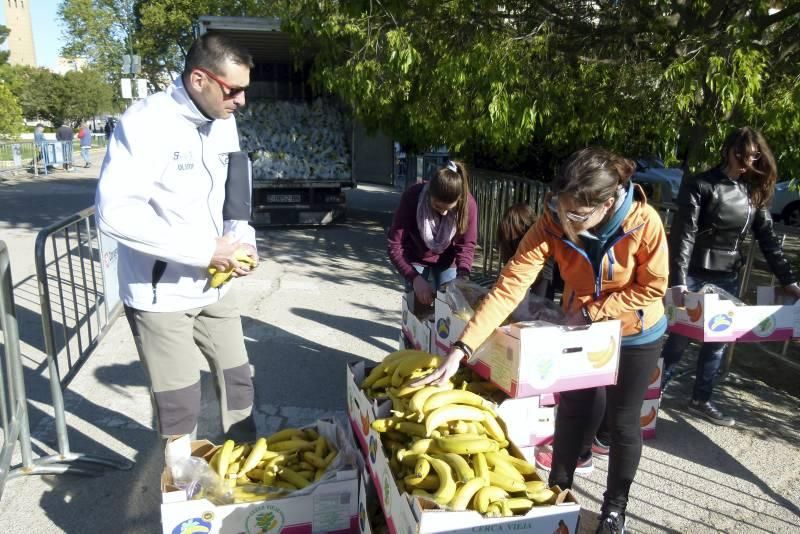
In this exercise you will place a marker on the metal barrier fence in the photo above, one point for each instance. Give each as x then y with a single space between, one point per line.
27 156
71 279
496 192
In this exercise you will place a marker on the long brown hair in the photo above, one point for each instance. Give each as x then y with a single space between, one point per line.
450 186
762 174
590 177
515 223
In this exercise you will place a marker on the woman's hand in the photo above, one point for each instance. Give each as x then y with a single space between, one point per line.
441 375
792 290
423 290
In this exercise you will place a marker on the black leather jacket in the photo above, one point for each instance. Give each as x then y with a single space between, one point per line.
714 216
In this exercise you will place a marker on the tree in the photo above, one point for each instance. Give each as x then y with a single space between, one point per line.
532 81
11 123
4 32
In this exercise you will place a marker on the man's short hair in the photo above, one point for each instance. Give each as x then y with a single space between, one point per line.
212 50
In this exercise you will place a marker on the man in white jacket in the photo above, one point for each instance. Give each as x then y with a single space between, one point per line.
161 195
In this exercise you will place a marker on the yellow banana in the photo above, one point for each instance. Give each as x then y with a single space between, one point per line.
411 363
285 435
293 477
466 444
544 496
314 459
520 505
524 467
418 399
329 458
535 486
461 469
457 396
493 428
422 467
225 457
465 493
507 483
285 485
382 382
447 486
321 447
487 495
481 466
445 414
503 466
430 482
255 455
407 391
292 445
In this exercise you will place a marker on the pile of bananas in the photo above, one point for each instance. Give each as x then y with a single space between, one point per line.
446 445
286 461
220 277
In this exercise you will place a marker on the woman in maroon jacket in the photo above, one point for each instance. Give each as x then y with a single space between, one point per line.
434 231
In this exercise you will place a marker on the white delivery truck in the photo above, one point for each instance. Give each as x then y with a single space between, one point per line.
305 149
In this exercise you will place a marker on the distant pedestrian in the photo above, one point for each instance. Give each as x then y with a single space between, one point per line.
109 128
38 142
85 135
65 134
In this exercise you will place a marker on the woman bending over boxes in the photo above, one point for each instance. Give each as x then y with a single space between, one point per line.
610 247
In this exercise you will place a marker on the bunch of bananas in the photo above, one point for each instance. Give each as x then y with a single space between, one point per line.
445 443
288 460
220 277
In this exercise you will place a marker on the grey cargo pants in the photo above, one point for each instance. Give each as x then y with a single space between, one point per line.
166 344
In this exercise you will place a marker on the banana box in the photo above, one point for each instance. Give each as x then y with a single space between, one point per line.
654 388
649 415
534 357
404 513
447 327
332 506
709 317
527 422
417 330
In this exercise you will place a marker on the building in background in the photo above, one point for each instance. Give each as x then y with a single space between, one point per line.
64 65
20 39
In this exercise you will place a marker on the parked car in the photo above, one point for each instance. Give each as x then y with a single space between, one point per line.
786 204
660 183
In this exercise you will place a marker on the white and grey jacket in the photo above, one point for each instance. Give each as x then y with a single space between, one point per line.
160 195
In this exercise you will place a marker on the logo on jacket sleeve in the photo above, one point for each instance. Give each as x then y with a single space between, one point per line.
184 161
223 157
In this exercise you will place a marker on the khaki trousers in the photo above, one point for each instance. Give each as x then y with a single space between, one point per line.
168 344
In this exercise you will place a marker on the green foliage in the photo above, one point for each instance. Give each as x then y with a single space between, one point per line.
11 122
4 32
528 82
45 95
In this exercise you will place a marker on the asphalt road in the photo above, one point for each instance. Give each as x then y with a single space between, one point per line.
322 297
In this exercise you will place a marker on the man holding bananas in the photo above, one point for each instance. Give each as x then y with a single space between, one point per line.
161 194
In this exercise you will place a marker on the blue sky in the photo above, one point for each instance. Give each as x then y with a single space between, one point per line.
47 33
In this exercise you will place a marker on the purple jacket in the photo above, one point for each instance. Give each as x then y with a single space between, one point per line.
406 245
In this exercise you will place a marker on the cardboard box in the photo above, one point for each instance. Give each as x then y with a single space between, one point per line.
447 328
654 389
333 506
407 514
709 317
527 423
416 330
649 416
533 358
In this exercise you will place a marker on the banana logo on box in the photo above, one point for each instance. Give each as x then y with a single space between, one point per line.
194 525
264 519
720 323
443 327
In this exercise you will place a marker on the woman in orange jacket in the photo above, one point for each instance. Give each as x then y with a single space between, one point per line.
610 247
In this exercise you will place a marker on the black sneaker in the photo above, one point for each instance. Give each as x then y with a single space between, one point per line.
710 412
611 523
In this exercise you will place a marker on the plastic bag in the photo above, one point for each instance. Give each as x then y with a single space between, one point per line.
463 297
536 308
192 474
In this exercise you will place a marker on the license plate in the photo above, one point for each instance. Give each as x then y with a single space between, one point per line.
283 198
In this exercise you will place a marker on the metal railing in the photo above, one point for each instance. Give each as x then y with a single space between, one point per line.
71 279
494 194
26 156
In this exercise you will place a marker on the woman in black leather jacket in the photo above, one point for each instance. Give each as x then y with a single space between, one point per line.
716 210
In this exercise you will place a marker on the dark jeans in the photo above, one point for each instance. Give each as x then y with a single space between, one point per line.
578 418
711 355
